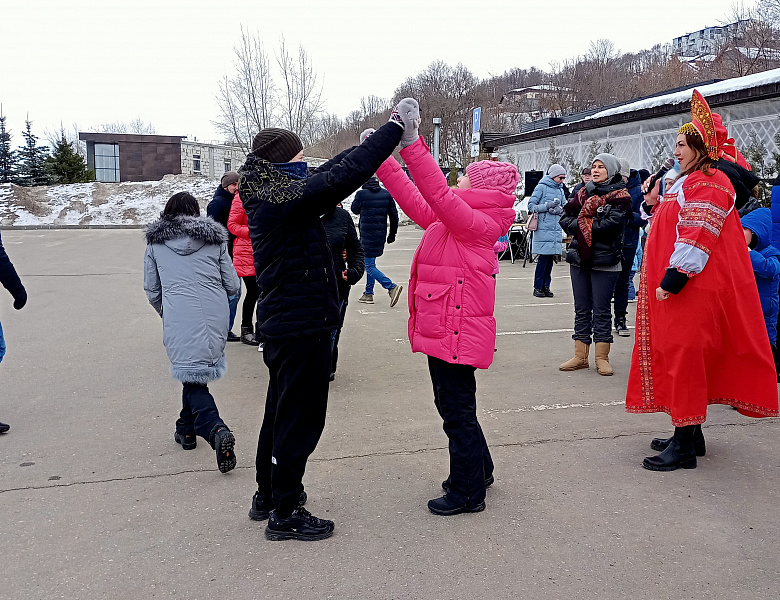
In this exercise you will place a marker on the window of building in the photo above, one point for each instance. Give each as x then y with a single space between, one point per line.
227 165
107 162
196 163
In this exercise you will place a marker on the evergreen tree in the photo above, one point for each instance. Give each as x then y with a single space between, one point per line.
66 166
6 154
31 167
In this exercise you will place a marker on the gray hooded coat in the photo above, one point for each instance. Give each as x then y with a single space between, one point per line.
188 276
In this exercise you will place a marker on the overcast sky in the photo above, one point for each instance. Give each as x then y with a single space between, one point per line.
90 62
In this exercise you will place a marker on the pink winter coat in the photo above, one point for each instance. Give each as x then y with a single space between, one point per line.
452 292
243 257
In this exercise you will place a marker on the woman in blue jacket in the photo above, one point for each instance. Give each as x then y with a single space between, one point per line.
547 200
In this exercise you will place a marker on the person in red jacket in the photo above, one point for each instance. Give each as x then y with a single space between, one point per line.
452 298
244 262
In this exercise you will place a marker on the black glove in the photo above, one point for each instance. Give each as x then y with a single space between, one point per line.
390 239
20 299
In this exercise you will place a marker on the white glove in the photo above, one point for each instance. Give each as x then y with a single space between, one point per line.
407 115
365 133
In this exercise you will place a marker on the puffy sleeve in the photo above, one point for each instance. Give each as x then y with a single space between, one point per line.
704 205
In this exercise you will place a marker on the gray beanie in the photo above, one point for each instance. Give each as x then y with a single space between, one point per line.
610 162
229 178
276 145
555 170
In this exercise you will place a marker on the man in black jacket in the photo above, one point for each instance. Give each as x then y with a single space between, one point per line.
219 210
349 262
10 280
298 305
374 204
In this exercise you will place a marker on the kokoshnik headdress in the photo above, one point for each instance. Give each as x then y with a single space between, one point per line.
709 127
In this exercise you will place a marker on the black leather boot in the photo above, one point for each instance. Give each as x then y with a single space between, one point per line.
679 454
660 444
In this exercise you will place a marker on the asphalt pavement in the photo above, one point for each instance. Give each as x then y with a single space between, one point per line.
97 501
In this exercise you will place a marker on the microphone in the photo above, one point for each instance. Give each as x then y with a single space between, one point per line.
663 171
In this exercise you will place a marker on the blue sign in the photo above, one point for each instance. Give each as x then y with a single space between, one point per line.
476 118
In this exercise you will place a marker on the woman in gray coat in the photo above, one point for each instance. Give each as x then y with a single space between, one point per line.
547 199
188 276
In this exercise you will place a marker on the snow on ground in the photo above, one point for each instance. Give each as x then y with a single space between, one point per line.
126 203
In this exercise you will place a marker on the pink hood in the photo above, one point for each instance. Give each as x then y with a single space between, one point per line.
451 288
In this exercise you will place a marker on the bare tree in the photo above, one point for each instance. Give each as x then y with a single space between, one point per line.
750 44
247 99
301 102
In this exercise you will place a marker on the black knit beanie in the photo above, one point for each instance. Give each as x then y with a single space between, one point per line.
276 145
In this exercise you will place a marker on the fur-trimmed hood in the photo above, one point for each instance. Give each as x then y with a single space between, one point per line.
185 234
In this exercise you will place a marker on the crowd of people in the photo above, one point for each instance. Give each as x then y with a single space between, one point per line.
298 252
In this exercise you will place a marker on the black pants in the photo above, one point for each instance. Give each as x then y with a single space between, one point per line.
335 353
592 296
621 285
250 301
294 417
199 412
455 397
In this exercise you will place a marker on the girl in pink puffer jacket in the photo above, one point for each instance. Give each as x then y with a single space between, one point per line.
452 297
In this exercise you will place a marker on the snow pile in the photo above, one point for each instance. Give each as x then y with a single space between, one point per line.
107 204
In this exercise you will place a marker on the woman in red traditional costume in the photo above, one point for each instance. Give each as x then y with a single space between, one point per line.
700 337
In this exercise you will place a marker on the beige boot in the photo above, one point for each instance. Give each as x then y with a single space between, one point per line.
580 360
602 358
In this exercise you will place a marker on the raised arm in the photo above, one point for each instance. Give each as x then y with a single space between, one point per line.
405 193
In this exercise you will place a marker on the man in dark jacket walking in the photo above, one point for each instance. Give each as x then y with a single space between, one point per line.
374 204
297 309
10 280
219 210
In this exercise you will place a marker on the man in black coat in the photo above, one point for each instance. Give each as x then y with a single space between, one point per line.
374 204
349 262
10 280
298 308
219 210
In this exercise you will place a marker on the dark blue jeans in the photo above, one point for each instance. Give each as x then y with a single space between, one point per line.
543 273
455 397
621 286
592 295
199 412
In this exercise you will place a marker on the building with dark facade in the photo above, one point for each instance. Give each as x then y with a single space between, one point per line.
132 157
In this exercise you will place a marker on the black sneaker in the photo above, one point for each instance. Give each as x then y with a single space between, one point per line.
539 293
445 507
262 507
548 293
445 485
224 443
301 525
4 427
232 337
187 441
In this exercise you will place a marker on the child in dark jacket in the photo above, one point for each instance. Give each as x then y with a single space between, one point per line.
765 259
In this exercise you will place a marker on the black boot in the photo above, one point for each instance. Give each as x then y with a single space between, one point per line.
248 337
679 454
548 293
539 293
660 444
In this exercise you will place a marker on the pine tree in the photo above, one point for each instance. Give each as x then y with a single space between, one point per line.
66 166
6 154
31 167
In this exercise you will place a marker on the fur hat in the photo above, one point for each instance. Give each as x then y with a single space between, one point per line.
276 145
493 175
610 162
555 170
229 178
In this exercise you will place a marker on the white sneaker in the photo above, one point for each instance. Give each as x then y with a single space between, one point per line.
260 347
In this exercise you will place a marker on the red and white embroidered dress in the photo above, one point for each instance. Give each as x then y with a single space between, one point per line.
707 344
